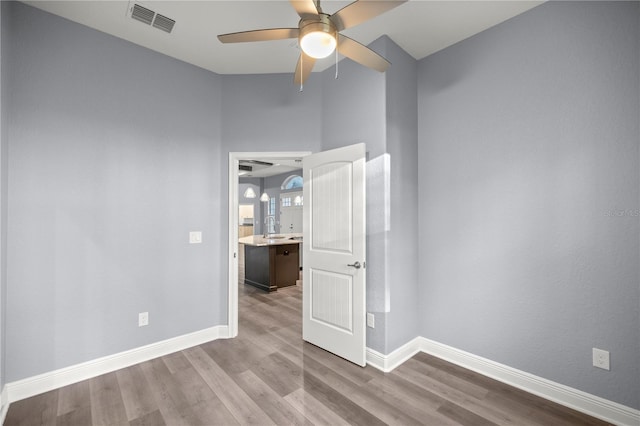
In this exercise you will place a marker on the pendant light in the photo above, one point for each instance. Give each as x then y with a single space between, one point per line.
249 193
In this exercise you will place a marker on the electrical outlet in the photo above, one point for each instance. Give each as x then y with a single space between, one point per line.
143 319
601 359
371 320
195 237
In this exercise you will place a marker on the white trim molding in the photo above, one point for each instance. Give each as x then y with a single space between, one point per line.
573 398
387 363
25 388
4 404
564 395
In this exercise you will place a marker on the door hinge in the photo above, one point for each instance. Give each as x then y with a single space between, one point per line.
235 255
364 265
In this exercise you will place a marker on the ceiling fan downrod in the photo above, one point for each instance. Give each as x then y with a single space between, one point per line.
337 42
301 77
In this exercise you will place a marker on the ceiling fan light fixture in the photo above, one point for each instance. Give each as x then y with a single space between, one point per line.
318 38
318 44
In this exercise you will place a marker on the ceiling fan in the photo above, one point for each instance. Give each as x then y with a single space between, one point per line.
319 35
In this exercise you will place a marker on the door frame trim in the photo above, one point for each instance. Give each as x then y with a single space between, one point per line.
234 162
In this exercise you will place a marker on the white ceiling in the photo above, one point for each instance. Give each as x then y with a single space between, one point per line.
280 166
420 27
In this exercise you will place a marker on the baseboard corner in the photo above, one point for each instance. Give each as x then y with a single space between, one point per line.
376 359
387 363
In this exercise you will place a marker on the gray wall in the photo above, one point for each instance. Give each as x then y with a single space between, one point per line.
265 113
402 145
4 32
114 158
353 106
529 159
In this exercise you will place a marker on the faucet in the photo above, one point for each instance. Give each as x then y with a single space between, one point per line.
266 225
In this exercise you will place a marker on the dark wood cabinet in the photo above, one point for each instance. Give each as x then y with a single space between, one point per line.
273 266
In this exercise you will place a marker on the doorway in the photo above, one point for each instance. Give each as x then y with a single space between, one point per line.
334 222
234 221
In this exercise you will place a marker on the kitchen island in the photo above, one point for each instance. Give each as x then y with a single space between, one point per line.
273 261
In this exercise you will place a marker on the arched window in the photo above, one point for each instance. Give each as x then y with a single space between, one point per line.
292 182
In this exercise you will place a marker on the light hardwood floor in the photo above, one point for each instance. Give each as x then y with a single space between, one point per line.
268 375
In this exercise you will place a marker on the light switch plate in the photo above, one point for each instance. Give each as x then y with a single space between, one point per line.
195 237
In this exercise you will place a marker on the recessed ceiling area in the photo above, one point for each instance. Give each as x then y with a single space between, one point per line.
420 27
265 167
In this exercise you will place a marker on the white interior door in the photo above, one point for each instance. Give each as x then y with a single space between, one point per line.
334 252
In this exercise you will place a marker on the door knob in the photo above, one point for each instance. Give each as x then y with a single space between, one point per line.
355 265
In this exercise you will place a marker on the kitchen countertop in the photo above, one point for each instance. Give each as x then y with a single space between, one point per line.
271 240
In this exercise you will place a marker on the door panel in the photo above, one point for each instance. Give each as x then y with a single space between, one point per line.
331 301
334 241
331 207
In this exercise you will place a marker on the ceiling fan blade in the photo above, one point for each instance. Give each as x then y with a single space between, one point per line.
361 54
305 8
304 67
361 11
259 35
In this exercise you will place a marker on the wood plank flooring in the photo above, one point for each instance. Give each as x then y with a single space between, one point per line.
268 375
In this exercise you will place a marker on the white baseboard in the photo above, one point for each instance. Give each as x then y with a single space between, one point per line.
573 398
564 395
36 385
4 404
387 363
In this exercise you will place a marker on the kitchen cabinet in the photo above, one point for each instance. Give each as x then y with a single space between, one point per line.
245 230
269 267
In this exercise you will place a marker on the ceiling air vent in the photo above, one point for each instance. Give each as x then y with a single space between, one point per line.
163 23
149 17
258 162
142 14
